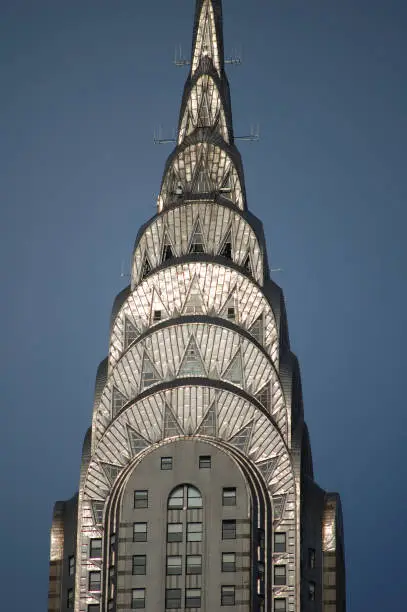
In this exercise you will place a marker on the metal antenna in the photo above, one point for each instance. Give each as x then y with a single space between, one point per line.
254 135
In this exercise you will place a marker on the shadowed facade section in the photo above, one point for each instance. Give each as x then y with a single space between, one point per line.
196 487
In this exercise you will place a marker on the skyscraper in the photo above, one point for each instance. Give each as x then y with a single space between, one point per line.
196 488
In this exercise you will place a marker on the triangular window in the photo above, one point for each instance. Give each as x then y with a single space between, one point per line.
110 471
149 375
204 114
192 364
278 506
226 248
256 329
226 185
197 244
229 309
118 401
264 397
242 438
146 268
247 264
208 424
201 183
171 426
136 441
193 303
130 333
167 249
234 372
267 468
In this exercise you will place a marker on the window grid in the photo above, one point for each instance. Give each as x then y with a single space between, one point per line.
204 462
280 574
166 463
138 599
228 562
227 595
139 565
311 558
194 532
94 581
95 548
172 599
229 496
193 598
141 499
280 604
69 599
194 564
139 532
174 565
280 542
174 532
71 565
229 530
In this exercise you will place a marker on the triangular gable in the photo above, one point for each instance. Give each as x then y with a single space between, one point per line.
130 333
118 401
229 308
206 42
208 423
146 267
171 426
111 471
247 264
234 371
157 304
242 439
267 468
192 364
264 396
197 242
226 184
204 111
149 374
257 329
279 502
194 302
136 441
167 248
201 182
226 248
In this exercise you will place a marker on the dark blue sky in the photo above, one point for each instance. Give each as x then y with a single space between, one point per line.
83 84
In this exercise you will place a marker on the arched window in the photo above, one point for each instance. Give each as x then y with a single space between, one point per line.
184 497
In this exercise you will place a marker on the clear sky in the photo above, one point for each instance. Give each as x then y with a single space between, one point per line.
83 85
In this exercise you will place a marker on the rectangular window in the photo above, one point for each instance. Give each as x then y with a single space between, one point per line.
194 498
93 608
141 499
174 532
174 566
227 596
157 315
194 532
280 574
280 605
204 462
231 314
166 463
311 591
139 565
71 565
280 543
94 581
138 599
193 598
173 599
95 548
311 558
69 599
139 532
228 562
194 564
229 530
229 496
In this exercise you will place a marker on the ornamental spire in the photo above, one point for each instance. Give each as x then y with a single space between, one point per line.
205 144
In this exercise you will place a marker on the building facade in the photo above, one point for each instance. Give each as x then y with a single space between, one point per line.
196 488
